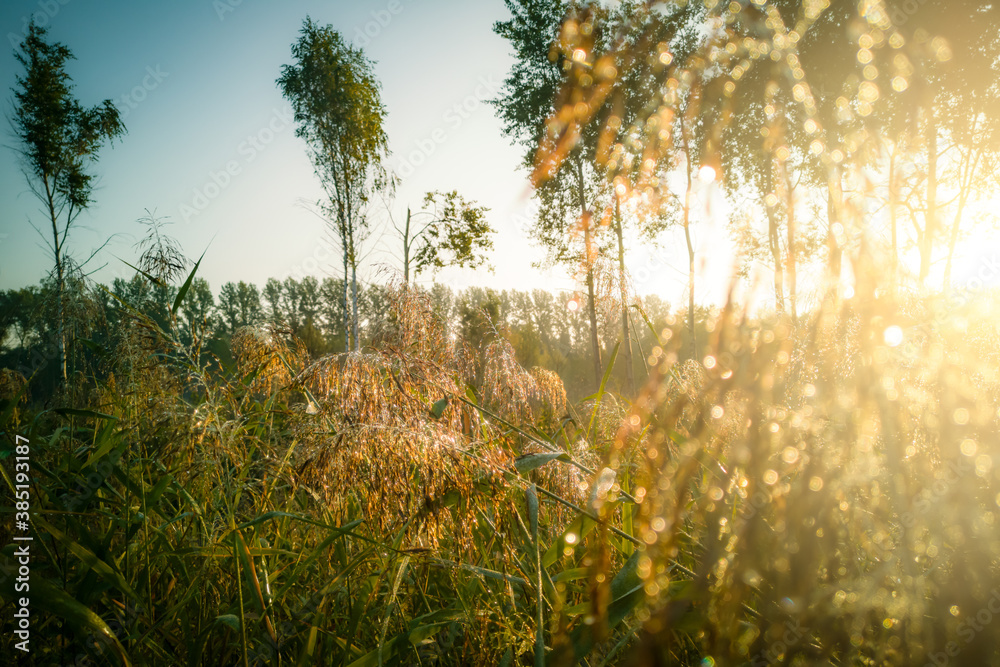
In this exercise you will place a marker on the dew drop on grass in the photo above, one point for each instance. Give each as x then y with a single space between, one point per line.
893 336
968 447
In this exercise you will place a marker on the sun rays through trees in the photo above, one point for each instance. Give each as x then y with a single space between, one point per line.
362 466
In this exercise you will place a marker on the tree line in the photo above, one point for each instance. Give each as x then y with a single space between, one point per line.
545 329
339 114
831 132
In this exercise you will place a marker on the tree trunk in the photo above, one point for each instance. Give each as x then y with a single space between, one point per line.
930 224
690 249
347 310
774 242
834 214
688 191
591 298
952 242
354 287
790 228
406 249
592 312
354 305
893 202
61 296
626 338
60 280
966 177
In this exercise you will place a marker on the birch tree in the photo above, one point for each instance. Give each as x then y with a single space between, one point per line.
338 109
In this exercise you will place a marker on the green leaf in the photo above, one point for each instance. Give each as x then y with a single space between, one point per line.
154 495
580 527
153 279
676 437
108 443
420 629
600 391
649 324
47 598
482 571
628 518
528 462
96 348
627 591
439 616
438 408
89 414
231 621
88 558
392 602
345 529
531 497
627 578
182 292
398 643
572 574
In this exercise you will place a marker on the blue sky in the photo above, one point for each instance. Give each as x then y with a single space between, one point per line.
211 146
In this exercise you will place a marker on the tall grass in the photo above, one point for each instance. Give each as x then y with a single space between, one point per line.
808 493
813 490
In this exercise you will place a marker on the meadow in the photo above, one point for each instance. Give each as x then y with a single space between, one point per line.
807 494
411 476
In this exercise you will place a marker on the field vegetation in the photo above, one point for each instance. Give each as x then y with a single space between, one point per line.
336 473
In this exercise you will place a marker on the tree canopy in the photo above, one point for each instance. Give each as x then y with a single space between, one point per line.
338 108
58 139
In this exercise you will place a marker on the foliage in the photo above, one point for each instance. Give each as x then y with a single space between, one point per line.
338 109
456 235
160 255
566 222
58 139
811 487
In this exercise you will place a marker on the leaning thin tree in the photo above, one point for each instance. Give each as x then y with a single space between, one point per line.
456 234
58 139
338 108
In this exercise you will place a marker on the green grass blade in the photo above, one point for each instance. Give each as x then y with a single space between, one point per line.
46 597
599 396
182 292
